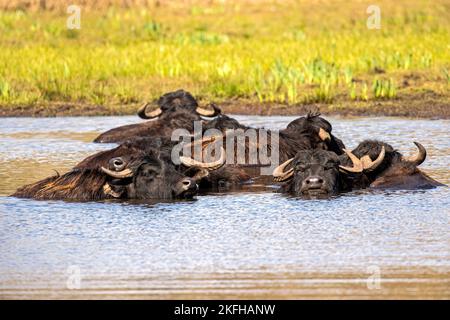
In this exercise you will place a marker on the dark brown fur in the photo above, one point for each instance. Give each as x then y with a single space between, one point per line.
85 182
300 134
76 184
317 172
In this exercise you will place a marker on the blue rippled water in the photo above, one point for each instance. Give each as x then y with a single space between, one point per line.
141 246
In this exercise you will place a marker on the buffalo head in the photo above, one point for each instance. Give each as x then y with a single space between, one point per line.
173 110
173 102
148 174
320 172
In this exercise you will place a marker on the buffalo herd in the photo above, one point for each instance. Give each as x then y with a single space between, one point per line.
311 161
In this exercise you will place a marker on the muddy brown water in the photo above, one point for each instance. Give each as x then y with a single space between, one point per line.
255 243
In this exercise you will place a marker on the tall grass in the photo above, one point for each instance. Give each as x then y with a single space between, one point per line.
301 53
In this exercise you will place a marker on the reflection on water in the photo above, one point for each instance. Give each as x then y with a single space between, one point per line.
252 244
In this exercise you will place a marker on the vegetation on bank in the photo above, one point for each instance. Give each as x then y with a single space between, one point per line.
298 53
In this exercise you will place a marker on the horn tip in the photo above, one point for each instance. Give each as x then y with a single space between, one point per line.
419 145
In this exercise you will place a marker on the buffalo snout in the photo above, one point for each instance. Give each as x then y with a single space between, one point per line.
313 182
186 188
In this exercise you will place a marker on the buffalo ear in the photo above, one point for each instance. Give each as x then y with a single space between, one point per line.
324 135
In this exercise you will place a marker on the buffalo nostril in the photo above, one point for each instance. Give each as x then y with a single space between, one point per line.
185 188
188 184
314 181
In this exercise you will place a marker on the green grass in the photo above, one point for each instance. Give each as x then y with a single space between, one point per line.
283 54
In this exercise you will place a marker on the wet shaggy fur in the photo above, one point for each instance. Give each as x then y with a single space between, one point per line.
228 174
85 181
223 122
131 149
300 134
76 184
177 99
225 178
312 123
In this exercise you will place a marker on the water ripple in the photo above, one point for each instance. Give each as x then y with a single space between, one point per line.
218 234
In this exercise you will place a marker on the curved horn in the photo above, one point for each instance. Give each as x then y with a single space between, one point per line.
279 175
370 165
357 164
209 113
324 135
108 191
126 173
202 173
189 162
142 112
419 157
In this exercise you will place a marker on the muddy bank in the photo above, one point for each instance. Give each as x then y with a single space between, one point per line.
430 110
431 107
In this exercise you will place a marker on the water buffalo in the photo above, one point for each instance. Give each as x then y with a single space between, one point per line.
305 133
372 164
136 169
174 110
396 171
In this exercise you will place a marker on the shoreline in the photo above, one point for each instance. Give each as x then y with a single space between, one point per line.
418 282
409 107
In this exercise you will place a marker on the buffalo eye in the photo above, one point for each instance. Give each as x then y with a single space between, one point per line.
149 173
301 167
222 183
117 163
329 165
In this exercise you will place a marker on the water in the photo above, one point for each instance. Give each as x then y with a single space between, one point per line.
257 244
